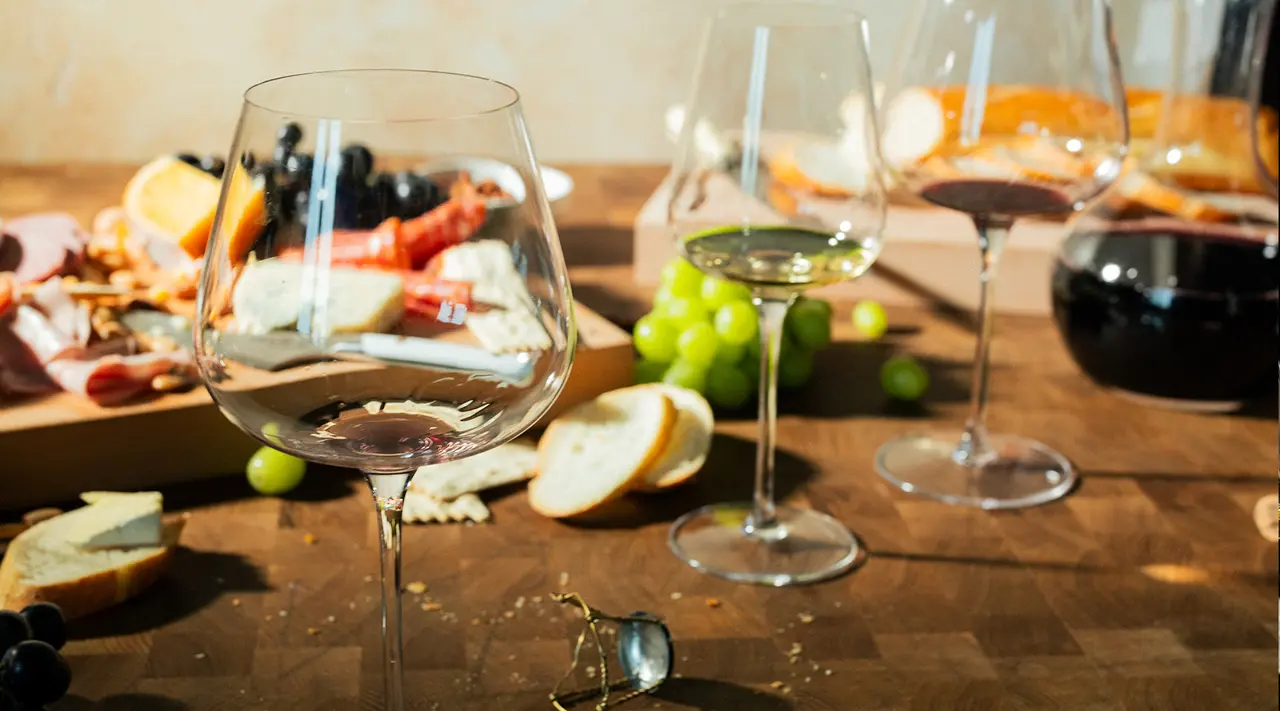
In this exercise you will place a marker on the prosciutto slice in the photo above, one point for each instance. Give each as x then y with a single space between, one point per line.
41 246
20 373
113 379
45 341
64 313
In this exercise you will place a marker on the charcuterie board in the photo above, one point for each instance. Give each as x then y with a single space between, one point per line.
54 447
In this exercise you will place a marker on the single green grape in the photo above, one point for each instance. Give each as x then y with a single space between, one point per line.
870 320
272 472
682 278
903 378
648 371
718 292
818 303
795 367
662 296
698 344
271 432
684 312
737 323
686 375
729 354
655 339
728 388
809 324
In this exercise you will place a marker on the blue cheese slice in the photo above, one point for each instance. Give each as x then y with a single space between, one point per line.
117 520
272 295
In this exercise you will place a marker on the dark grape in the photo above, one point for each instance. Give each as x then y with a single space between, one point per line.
248 161
47 623
357 165
297 170
14 628
213 165
34 673
289 135
280 154
415 194
189 159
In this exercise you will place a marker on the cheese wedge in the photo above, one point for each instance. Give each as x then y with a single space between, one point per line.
116 520
272 295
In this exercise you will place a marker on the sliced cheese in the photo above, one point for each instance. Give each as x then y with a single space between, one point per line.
506 319
115 520
272 295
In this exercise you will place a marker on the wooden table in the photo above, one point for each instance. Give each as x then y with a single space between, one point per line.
1147 589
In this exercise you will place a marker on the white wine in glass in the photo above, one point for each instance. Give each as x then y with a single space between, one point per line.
777 187
356 312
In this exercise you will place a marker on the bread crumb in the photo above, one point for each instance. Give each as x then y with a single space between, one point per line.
564 579
417 587
235 602
310 539
806 618
269 618
351 606
826 672
520 602
676 595
713 603
780 687
331 619
432 607
368 578
200 655
313 631
475 622
284 613
508 614
591 672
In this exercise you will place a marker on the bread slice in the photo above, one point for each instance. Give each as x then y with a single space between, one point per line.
42 565
598 450
690 440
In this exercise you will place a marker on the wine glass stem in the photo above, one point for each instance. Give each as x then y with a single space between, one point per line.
388 496
773 314
974 447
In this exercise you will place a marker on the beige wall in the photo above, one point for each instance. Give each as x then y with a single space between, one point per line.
123 80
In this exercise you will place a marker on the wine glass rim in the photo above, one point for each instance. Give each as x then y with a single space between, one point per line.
848 14
512 98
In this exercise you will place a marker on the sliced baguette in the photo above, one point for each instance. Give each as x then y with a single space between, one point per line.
594 453
690 440
40 565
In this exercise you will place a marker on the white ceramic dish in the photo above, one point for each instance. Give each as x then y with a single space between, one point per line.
556 184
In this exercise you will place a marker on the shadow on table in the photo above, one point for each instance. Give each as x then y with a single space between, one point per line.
121 702
195 579
728 476
708 694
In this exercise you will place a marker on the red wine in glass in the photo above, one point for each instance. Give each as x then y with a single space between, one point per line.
997 198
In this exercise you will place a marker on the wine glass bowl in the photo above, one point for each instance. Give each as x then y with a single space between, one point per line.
355 312
776 188
1002 110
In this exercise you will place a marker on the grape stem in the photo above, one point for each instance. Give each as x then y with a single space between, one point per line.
763 521
974 448
388 496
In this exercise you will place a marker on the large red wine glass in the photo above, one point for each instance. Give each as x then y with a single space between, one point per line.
1001 109
357 312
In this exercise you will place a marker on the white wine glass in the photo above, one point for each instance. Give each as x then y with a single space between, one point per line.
358 313
776 189
1000 109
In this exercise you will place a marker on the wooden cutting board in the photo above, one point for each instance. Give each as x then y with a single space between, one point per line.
53 448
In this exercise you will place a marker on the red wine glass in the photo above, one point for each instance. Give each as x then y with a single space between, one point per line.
1000 109
357 313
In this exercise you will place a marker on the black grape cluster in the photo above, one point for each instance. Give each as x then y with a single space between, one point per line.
32 671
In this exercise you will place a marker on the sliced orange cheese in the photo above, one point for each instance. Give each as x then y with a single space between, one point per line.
245 215
171 199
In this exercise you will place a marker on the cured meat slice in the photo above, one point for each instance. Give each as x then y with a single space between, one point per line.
113 379
40 246
67 315
20 373
41 337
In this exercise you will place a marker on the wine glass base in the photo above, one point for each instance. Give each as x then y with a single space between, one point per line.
804 547
1025 473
